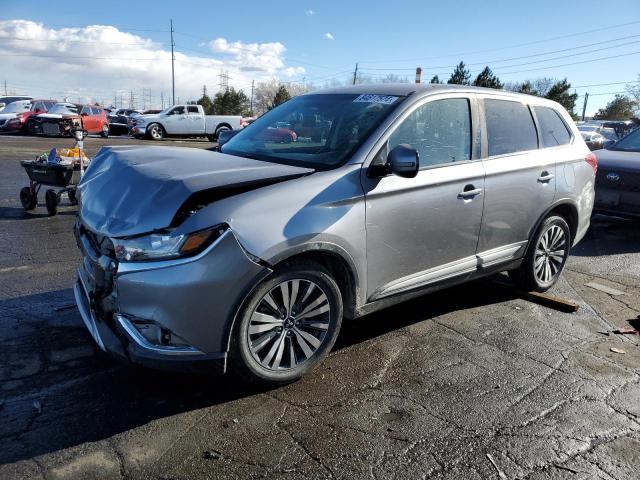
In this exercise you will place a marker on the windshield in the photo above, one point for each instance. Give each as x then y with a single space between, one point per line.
630 143
17 107
64 109
318 131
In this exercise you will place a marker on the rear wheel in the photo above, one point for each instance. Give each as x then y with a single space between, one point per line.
546 256
72 196
105 131
51 201
222 128
28 198
156 132
288 324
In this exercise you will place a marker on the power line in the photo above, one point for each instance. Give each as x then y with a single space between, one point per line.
492 62
535 42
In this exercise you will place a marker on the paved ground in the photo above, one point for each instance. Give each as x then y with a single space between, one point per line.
467 383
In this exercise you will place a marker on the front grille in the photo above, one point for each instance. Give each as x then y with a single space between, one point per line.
102 244
50 128
625 180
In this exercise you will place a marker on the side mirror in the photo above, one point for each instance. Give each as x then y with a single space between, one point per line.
226 135
404 161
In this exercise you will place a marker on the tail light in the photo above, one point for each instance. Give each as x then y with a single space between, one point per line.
592 160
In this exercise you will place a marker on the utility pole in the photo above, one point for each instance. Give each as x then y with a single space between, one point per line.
162 100
251 107
355 74
5 88
173 74
204 90
584 107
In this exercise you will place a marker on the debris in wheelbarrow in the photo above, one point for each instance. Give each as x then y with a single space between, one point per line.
60 168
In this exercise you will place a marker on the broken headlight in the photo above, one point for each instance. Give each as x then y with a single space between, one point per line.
164 246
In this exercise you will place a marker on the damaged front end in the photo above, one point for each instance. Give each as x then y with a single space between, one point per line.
149 290
59 127
169 314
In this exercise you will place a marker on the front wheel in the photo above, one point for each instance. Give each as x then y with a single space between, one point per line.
28 198
156 132
546 256
288 325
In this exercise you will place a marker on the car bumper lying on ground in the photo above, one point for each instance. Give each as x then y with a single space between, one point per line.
138 131
171 315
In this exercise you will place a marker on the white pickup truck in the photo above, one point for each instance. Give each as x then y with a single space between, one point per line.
183 121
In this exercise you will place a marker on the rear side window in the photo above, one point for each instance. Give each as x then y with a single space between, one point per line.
192 109
510 127
96 111
439 130
553 131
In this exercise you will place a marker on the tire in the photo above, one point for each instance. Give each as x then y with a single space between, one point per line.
155 131
30 127
28 199
222 128
278 348
105 131
546 256
72 196
51 201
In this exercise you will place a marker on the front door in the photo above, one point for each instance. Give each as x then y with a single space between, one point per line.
425 229
175 122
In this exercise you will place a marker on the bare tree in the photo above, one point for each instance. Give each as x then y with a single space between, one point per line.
265 92
633 90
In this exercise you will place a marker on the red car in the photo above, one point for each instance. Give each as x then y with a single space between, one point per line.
24 120
62 118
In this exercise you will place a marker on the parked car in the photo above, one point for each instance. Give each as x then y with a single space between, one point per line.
618 180
183 121
11 112
6 100
119 120
23 119
251 256
62 118
595 141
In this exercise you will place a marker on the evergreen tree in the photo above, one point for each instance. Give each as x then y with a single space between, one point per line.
460 76
281 96
559 92
620 108
230 102
435 79
486 78
206 103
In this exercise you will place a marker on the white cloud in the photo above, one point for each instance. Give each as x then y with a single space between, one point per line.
98 62
328 36
311 13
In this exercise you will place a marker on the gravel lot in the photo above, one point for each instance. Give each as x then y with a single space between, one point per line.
471 382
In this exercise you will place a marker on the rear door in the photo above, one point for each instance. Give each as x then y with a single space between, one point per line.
195 120
520 183
425 229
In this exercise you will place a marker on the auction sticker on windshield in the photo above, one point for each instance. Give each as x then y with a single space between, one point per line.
385 99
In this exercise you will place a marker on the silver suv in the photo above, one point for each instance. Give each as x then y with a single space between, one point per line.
335 204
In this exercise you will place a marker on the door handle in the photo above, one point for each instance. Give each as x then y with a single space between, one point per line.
545 177
469 192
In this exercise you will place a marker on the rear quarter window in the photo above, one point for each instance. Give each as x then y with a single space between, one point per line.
553 131
510 127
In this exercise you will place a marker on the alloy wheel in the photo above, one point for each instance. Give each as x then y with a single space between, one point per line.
289 325
550 254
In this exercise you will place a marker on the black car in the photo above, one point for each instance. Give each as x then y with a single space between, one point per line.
618 178
119 120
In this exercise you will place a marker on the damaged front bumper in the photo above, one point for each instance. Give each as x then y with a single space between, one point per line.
173 315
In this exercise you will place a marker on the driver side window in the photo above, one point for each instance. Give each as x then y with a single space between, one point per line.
440 131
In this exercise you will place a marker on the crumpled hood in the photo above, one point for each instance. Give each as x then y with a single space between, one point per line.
618 159
7 116
130 190
57 116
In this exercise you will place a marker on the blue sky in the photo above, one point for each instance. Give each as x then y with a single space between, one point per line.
383 37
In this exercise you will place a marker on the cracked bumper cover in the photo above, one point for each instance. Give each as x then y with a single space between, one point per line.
195 298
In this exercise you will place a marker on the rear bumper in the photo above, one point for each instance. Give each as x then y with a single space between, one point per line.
194 299
621 203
